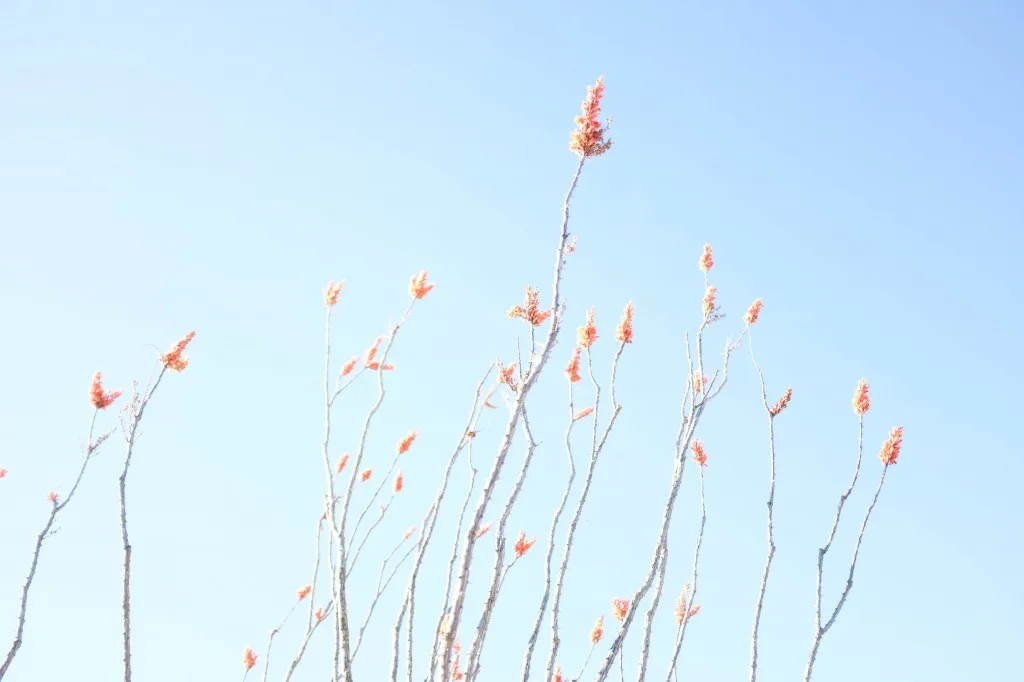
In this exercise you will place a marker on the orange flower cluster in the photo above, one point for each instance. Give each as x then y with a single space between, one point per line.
624 332
3 472
483 530
319 615
342 461
532 312
52 497
699 456
572 370
684 611
620 607
585 412
418 285
523 545
173 359
588 138
371 353
782 403
248 659
709 301
587 334
331 293
507 376
304 592
598 631
406 442
408 533
365 475
374 366
890 452
347 368
557 677
457 674
101 400
861 400
700 382
706 262
399 482
753 311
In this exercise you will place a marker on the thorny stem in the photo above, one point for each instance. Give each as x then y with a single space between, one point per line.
533 372
55 509
693 582
427 531
382 585
831 536
311 597
270 640
331 517
645 640
310 629
498 575
342 643
597 446
136 409
586 661
452 559
532 642
820 630
383 482
697 387
759 606
688 423
359 549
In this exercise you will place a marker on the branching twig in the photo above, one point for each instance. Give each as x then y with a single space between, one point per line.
597 446
820 630
55 509
545 596
134 414
693 582
427 531
759 606
311 596
690 417
498 576
382 585
530 378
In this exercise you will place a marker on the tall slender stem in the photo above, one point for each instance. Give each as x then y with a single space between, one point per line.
137 408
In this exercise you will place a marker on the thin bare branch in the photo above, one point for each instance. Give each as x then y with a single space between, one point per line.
532 374
822 629
597 447
546 595
693 582
688 423
427 531
382 586
498 576
759 605
134 413
55 509
311 597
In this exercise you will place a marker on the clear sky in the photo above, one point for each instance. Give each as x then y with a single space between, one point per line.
170 165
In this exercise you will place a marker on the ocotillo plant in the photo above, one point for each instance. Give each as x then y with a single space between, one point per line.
131 418
452 647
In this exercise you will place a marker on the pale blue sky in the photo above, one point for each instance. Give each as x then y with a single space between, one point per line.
168 165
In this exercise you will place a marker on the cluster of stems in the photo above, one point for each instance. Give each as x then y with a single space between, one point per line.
344 528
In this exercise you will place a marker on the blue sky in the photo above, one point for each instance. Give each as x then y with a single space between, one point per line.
166 166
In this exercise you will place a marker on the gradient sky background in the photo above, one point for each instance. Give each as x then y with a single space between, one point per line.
170 165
